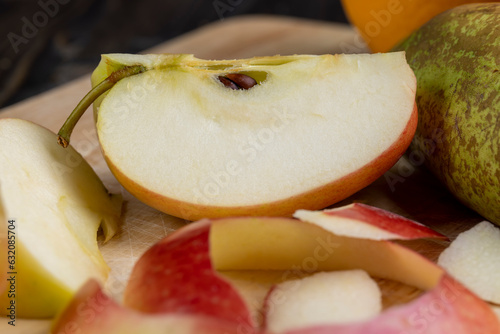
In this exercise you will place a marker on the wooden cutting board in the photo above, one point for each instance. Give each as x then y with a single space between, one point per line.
407 189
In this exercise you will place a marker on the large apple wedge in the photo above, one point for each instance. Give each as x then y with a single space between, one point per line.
261 136
178 279
53 204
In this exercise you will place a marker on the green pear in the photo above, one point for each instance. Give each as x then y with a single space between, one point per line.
456 59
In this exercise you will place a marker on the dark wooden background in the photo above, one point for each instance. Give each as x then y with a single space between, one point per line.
45 43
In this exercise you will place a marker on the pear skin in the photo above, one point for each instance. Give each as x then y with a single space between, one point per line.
456 59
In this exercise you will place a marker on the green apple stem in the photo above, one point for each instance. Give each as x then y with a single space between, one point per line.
68 126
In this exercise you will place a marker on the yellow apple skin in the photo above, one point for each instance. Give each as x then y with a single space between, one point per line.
314 199
42 303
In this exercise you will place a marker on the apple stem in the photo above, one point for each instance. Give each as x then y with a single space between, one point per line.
105 85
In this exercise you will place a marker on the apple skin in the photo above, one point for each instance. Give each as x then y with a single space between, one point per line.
380 224
180 267
447 308
92 311
194 253
314 199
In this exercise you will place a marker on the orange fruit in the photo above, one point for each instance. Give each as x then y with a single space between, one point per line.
385 23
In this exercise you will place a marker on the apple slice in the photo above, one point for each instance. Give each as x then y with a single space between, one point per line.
188 260
53 204
472 258
363 221
184 142
321 299
92 311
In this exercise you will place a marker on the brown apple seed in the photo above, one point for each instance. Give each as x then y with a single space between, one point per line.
242 80
228 83
237 81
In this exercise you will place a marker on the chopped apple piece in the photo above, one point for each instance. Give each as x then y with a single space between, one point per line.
324 298
53 203
473 259
363 221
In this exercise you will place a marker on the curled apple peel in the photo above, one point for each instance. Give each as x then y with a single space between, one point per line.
178 279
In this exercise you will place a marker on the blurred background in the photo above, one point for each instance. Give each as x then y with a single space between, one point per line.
45 43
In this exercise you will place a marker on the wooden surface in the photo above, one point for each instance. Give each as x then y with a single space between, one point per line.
407 189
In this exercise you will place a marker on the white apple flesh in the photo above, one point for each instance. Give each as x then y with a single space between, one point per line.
314 130
472 258
447 308
56 204
324 298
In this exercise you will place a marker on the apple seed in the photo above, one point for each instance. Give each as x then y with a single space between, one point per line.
242 80
228 83
237 81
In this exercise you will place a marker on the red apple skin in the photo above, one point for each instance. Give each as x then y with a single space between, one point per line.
447 308
314 199
176 276
93 312
405 228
